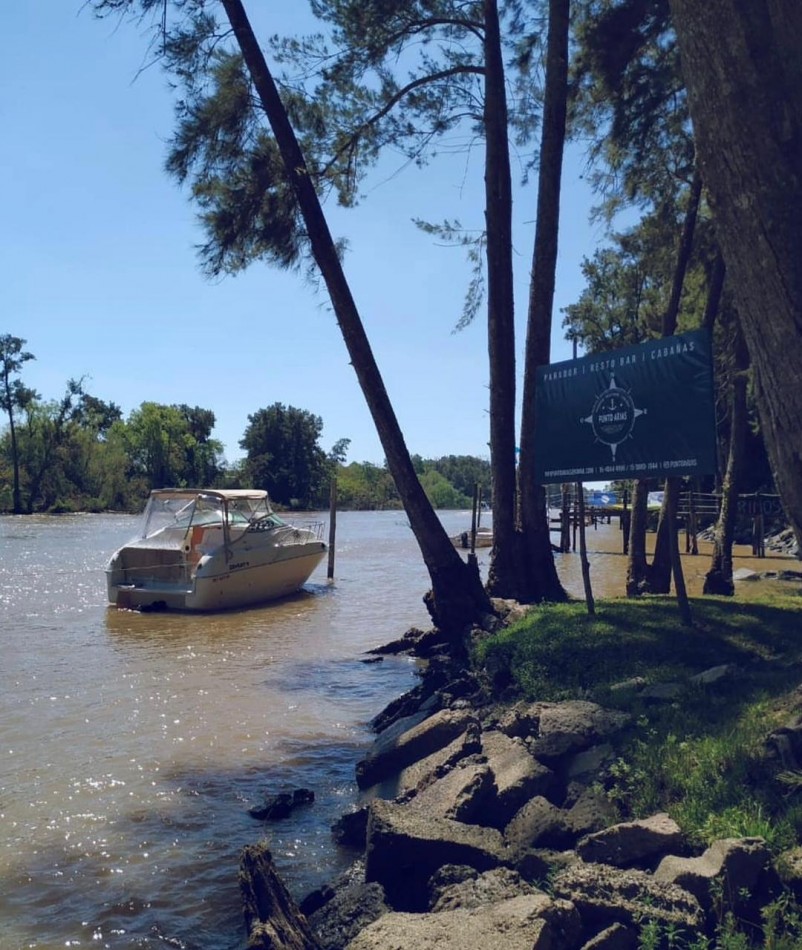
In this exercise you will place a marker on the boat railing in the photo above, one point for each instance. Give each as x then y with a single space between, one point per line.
153 567
295 533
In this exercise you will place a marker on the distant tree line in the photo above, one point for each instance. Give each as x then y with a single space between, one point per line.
78 453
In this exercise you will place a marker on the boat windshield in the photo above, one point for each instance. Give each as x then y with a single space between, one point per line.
185 509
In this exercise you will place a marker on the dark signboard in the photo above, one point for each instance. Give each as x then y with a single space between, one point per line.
760 505
636 412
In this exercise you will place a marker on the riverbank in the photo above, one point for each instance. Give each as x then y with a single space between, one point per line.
609 782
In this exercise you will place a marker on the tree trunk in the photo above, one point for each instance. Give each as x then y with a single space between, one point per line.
539 580
718 579
458 598
741 63
658 575
636 565
272 918
502 581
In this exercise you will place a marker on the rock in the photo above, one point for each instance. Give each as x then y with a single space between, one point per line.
662 692
454 887
745 574
570 727
605 895
352 876
518 775
588 765
734 863
280 806
538 865
786 743
614 937
432 767
539 823
713 675
591 812
349 911
418 702
528 922
408 741
788 866
351 829
632 842
464 793
405 849
272 918
405 644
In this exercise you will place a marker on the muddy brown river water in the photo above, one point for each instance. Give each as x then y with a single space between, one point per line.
132 745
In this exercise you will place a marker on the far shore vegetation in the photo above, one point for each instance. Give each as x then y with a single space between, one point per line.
78 453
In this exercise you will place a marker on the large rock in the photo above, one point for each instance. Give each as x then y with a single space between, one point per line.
432 767
528 922
404 850
570 727
554 730
605 895
410 740
538 824
518 775
632 842
464 793
272 918
736 864
351 910
454 887
592 811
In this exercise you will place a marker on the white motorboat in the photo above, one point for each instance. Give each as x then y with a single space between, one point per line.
483 539
209 549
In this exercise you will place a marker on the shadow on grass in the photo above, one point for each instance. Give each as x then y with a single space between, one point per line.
559 652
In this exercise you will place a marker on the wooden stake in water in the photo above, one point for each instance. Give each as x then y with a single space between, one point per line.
332 526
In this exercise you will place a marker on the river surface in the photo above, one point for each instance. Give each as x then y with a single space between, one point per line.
132 745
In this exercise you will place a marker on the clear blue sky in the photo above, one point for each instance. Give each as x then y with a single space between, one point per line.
100 273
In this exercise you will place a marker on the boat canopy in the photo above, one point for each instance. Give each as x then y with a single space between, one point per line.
186 507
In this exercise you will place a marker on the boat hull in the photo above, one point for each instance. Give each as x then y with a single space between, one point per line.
219 589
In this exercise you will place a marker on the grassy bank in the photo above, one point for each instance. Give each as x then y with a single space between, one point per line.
701 753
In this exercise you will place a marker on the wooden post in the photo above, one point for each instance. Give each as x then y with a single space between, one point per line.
625 521
583 550
565 521
475 515
576 521
332 526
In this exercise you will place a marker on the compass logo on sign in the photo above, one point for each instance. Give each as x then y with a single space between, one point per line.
613 416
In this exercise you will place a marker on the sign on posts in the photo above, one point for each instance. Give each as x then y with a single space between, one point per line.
637 412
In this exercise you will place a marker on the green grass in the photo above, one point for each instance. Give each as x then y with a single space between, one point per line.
702 757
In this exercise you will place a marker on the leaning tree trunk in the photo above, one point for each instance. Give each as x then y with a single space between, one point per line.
539 580
718 579
458 597
658 575
741 63
502 581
